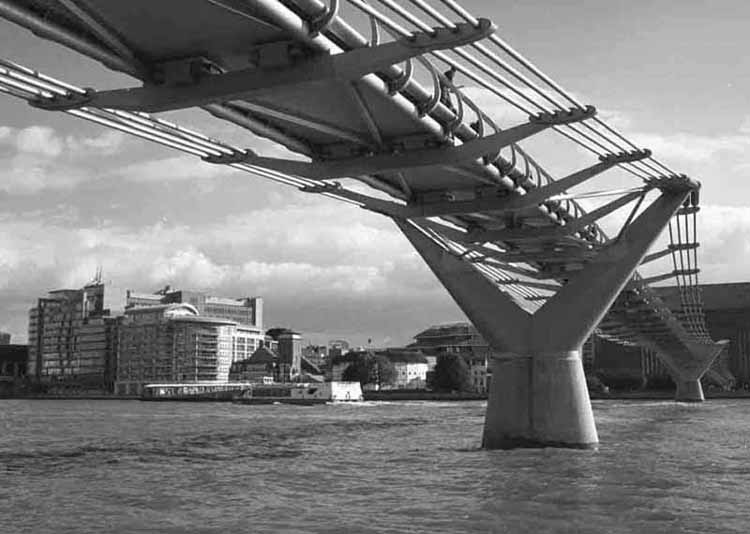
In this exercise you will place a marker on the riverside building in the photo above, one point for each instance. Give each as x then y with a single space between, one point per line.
185 337
462 339
73 340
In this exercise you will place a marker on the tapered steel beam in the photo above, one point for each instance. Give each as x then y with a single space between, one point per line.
239 84
398 161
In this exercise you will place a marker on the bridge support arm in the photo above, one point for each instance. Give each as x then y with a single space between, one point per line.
538 394
537 398
212 88
400 161
689 390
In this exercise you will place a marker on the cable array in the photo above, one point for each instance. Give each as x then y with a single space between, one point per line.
30 85
595 135
491 64
684 247
527 88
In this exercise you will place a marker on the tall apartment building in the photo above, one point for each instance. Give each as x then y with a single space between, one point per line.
72 339
171 343
184 336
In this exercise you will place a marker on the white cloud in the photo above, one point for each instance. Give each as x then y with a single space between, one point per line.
108 143
172 169
691 148
41 140
348 259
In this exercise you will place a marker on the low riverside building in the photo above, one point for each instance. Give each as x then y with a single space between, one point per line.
411 368
462 339
73 340
261 366
13 359
278 362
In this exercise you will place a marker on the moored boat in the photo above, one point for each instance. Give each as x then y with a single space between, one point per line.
300 393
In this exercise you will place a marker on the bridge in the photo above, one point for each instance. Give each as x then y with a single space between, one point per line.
371 98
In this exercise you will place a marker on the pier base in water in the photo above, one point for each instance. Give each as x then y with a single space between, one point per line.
539 401
689 391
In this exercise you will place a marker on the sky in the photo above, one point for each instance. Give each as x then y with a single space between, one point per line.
673 75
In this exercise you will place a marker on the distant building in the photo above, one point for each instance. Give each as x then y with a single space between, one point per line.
316 354
337 347
627 367
13 360
4 338
287 344
171 343
246 311
72 339
727 309
260 367
411 368
457 338
285 363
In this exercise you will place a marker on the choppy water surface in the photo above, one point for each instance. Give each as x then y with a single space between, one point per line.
128 466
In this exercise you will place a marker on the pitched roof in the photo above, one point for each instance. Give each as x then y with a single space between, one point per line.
404 356
263 355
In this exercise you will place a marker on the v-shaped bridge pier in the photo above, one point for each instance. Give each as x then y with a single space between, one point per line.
538 394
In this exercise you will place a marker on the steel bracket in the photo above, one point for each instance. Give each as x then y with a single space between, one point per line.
625 157
63 102
329 187
563 116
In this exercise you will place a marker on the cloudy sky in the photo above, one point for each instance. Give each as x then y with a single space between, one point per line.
674 75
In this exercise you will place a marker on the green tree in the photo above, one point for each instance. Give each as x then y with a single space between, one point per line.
370 369
451 374
385 371
357 371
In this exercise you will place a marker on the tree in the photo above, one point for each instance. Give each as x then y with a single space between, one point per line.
370 369
451 374
357 371
385 371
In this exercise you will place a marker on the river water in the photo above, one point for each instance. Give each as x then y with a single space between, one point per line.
129 466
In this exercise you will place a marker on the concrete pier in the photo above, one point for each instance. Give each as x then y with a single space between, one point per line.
538 395
539 401
689 391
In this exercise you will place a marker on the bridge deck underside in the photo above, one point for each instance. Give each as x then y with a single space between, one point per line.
332 118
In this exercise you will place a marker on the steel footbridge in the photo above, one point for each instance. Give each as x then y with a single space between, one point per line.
372 100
